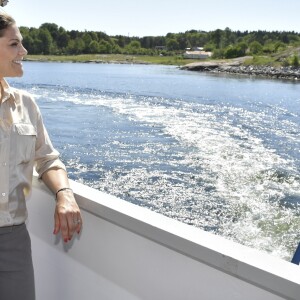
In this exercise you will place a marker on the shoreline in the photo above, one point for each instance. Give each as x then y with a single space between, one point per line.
109 58
230 67
236 67
121 62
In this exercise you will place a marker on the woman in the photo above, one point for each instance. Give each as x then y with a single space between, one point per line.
24 144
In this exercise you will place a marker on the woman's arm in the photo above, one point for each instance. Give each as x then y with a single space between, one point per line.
67 216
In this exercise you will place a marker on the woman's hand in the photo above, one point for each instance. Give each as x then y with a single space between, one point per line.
67 216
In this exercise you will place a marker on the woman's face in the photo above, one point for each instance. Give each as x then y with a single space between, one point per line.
11 53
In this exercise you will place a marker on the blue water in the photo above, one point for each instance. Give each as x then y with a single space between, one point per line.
217 152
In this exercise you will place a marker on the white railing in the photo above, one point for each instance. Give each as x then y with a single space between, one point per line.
128 252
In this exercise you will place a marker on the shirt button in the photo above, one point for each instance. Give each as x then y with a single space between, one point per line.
4 164
3 194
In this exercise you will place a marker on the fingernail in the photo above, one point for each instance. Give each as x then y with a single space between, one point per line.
66 240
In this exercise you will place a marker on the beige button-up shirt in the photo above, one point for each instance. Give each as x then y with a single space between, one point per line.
24 144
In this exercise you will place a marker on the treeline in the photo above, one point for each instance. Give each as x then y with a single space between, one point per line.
50 38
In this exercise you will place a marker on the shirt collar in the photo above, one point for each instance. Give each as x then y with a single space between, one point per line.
7 91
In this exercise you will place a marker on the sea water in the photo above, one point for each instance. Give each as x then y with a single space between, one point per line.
218 152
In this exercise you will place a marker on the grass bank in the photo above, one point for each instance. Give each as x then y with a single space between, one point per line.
112 58
275 60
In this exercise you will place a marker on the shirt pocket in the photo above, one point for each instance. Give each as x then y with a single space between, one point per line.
24 139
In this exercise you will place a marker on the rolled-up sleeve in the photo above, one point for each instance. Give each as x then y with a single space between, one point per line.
46 157
24 145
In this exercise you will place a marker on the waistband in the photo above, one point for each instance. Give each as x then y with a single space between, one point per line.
8 229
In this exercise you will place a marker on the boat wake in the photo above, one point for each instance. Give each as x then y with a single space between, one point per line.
214 166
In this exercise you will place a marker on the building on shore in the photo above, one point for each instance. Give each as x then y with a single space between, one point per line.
196 54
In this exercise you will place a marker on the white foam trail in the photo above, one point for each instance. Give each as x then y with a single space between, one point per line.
244 202
238 161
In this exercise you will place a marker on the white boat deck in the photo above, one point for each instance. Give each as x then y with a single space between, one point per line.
128 252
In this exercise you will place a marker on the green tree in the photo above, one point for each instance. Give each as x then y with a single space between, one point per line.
116 48
216 37
34 33
182 41
105 47
172 44
87 39
269 47
231 52
209 47
279 46
102 36
134 47
25 31
242 48
62 39
235 51
51 39
52 29
148 42
121 41
227 38
74 34
75 46
29 44
46 41
94 47
255 47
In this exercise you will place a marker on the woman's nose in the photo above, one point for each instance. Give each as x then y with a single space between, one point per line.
23 51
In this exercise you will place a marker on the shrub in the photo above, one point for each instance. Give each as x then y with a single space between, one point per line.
235 51
256 47
295 61
218 53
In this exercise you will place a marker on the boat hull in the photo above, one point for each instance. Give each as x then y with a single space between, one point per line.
129 252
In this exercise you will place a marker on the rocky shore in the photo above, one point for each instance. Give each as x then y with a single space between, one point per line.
236 67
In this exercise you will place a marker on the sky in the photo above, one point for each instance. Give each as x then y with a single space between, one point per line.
154 18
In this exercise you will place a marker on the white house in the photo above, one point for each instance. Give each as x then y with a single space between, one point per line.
197 54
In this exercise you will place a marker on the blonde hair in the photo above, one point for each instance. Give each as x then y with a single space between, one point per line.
5 21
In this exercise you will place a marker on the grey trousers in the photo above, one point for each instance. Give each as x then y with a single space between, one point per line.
16 269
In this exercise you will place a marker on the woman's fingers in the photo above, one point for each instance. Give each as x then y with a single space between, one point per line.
67 220
78 222
56 223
